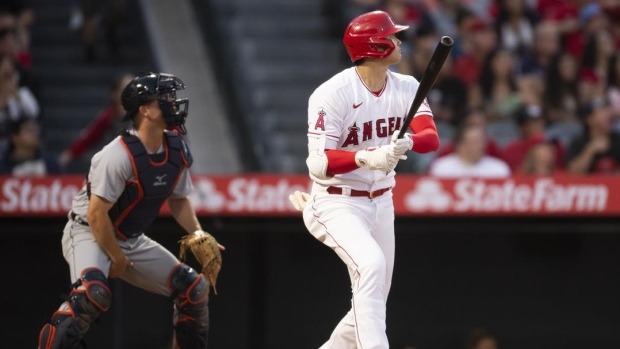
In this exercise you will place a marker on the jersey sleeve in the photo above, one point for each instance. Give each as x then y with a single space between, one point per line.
183 186
325 120
109 171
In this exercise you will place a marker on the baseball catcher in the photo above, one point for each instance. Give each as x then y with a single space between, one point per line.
128 182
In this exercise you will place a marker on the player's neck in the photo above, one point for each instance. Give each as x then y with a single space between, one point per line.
151 137
373 75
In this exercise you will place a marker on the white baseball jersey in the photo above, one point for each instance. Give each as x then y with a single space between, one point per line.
344 114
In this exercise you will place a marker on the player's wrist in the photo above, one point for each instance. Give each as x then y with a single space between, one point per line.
361 158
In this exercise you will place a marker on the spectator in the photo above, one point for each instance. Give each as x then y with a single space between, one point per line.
498 86
423 44
24 156
537 60
444 14
9 47
469 159
478 39
112 12
598 150
532 131
561 96
591 20
481 339
24 19
590 87
472 117
540 160
15 101
598 54
103 128
516 25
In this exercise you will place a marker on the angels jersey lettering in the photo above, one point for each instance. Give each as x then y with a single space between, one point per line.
353 118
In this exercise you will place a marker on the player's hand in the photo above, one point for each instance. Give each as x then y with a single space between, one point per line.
381 158
202 232
401 145
299 199
119 266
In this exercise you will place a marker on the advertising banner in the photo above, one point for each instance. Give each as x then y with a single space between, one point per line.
267 195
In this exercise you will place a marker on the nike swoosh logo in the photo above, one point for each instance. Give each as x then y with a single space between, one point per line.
355 106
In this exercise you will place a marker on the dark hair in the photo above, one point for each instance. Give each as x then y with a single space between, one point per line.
590 52
613 73
555 87
487 76
460 116
15 125
463 14
460 132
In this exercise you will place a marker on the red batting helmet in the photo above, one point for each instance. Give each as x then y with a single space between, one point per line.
365 36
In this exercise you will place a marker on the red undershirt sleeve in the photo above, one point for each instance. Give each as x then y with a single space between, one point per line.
340 161
425 136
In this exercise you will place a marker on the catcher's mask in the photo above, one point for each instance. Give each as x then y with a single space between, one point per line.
147 87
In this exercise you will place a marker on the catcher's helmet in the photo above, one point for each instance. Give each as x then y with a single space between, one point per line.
365 36
147 87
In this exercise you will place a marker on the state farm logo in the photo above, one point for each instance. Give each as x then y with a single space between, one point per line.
37 196
206 195
243 195
428 194
478 195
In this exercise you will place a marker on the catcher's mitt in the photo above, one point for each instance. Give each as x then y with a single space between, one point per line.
206 250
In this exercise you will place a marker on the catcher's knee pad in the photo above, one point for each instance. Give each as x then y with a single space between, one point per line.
191 295
67 327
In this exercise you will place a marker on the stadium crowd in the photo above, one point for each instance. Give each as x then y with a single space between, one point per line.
531 86
22 148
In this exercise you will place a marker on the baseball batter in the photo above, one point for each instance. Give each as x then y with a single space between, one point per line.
353 122
128 181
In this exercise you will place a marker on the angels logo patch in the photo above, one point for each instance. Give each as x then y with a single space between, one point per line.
320 122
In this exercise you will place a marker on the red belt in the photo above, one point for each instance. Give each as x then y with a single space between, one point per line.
368 194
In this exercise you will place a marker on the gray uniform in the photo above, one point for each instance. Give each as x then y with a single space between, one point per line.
152 264
112 176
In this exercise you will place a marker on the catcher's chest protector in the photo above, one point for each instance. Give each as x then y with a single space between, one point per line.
156 176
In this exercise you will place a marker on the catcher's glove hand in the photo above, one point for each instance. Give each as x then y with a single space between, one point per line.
207 252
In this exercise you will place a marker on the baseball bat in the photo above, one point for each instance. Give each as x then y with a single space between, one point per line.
428 79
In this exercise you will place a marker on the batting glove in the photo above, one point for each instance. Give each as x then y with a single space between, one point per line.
378 158
401 145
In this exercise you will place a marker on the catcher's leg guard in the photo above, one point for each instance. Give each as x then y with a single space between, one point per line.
191 295
68 325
